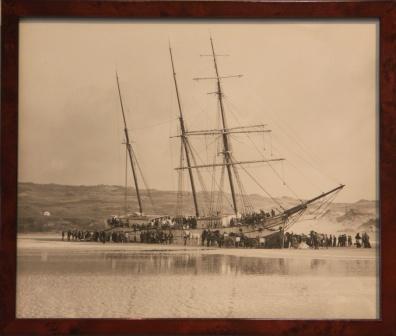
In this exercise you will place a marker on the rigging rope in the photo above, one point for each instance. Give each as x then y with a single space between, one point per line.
126 179
221 195
262 188
247 206
269 164
295 140
326 203
213 185
294 219
200 178
144 180
153 126
179 196
300 171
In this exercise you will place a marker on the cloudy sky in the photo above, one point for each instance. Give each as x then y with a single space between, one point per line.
313 83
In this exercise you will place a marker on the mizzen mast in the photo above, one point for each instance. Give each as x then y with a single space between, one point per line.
129 149
184 138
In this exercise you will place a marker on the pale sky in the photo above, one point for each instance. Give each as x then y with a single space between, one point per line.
313 83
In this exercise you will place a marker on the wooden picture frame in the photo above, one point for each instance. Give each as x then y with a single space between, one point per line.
14 10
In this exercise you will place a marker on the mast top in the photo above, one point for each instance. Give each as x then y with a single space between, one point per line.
122 105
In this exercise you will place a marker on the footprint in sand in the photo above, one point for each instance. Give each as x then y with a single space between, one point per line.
192 294
132 298
189 304
231 302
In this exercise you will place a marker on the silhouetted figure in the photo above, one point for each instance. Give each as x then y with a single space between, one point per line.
358 238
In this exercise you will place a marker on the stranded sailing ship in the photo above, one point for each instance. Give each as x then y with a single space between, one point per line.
265 227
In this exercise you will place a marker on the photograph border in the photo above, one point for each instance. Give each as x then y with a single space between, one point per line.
15 10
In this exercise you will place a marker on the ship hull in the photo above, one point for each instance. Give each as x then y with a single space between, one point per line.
267 233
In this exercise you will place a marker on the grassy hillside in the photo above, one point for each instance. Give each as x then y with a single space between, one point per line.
87 207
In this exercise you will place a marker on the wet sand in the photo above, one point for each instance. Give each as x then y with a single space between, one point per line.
75 279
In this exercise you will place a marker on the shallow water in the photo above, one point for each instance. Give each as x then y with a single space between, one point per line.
192 284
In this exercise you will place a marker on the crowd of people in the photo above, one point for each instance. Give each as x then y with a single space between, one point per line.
227 239
208 237
316 240
156 237
97 236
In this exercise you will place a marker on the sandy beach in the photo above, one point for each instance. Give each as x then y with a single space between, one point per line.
82 279
53 242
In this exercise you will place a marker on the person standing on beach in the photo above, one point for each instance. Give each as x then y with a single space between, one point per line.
366 240
357 237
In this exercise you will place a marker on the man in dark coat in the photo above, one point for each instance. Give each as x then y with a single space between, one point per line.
358 238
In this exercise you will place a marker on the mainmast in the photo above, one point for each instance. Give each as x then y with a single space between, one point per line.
129 149
226 143
184 138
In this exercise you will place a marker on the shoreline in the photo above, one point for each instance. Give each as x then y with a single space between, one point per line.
34 243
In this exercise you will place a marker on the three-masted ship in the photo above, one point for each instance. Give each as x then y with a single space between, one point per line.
243 222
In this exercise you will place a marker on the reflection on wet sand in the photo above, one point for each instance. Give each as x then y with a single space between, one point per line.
110 263
59 283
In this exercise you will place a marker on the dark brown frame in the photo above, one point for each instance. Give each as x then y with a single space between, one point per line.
13 10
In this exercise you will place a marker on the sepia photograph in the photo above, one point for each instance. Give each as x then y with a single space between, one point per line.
198 169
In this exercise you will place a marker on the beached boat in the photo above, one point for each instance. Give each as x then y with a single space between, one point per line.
244 225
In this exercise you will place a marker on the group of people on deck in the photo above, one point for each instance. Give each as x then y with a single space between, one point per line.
256 217
185 221
164 222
